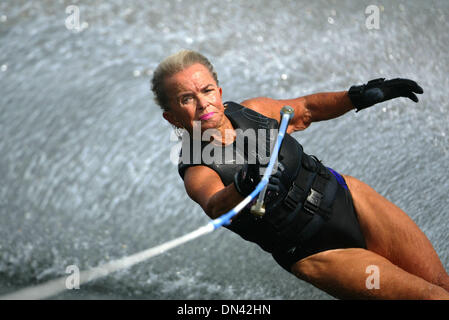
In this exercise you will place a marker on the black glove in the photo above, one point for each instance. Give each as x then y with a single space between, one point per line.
379 90
248 178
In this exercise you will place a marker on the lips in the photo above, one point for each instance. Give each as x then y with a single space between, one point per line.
207 116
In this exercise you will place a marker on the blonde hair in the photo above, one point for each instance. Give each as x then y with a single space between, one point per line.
172 65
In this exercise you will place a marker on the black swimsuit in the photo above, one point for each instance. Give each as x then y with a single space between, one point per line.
312 213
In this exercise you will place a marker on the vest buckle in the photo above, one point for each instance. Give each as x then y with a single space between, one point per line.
313 201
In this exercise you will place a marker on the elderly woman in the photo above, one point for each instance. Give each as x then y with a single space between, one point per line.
328 229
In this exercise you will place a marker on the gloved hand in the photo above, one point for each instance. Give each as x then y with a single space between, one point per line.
379 90
248 178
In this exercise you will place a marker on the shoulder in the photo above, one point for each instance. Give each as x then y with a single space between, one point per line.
271 108
263 105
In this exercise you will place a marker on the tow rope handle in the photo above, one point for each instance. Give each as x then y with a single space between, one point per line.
258 209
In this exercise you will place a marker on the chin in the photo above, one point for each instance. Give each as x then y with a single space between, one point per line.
208 125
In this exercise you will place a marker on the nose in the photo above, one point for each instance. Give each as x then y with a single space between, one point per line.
202 102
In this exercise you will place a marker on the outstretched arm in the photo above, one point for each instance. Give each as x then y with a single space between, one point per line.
308 109
329 105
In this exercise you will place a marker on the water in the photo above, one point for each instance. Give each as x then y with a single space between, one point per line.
85 168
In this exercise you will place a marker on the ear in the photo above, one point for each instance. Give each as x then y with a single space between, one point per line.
171 118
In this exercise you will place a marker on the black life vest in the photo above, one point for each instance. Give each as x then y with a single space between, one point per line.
304 202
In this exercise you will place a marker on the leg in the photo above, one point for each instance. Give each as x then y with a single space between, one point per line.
390 233
343 274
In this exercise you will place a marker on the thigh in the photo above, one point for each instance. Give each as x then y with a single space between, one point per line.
391 233
362 274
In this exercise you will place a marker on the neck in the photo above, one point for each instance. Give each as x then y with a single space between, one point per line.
221 135
225 134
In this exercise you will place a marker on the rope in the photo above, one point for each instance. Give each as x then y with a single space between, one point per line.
56 286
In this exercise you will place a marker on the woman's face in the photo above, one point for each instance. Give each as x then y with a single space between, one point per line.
194 96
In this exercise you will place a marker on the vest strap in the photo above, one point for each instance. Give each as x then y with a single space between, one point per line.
307 205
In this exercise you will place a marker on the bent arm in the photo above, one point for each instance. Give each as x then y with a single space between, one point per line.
204 186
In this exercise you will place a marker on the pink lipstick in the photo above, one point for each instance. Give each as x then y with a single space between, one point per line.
207 116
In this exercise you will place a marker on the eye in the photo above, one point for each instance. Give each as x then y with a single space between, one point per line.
186 99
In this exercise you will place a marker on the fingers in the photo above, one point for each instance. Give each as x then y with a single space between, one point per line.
405 88
413 86
274 182
276 173
418 89
273 187
412 96
410 89
406 84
